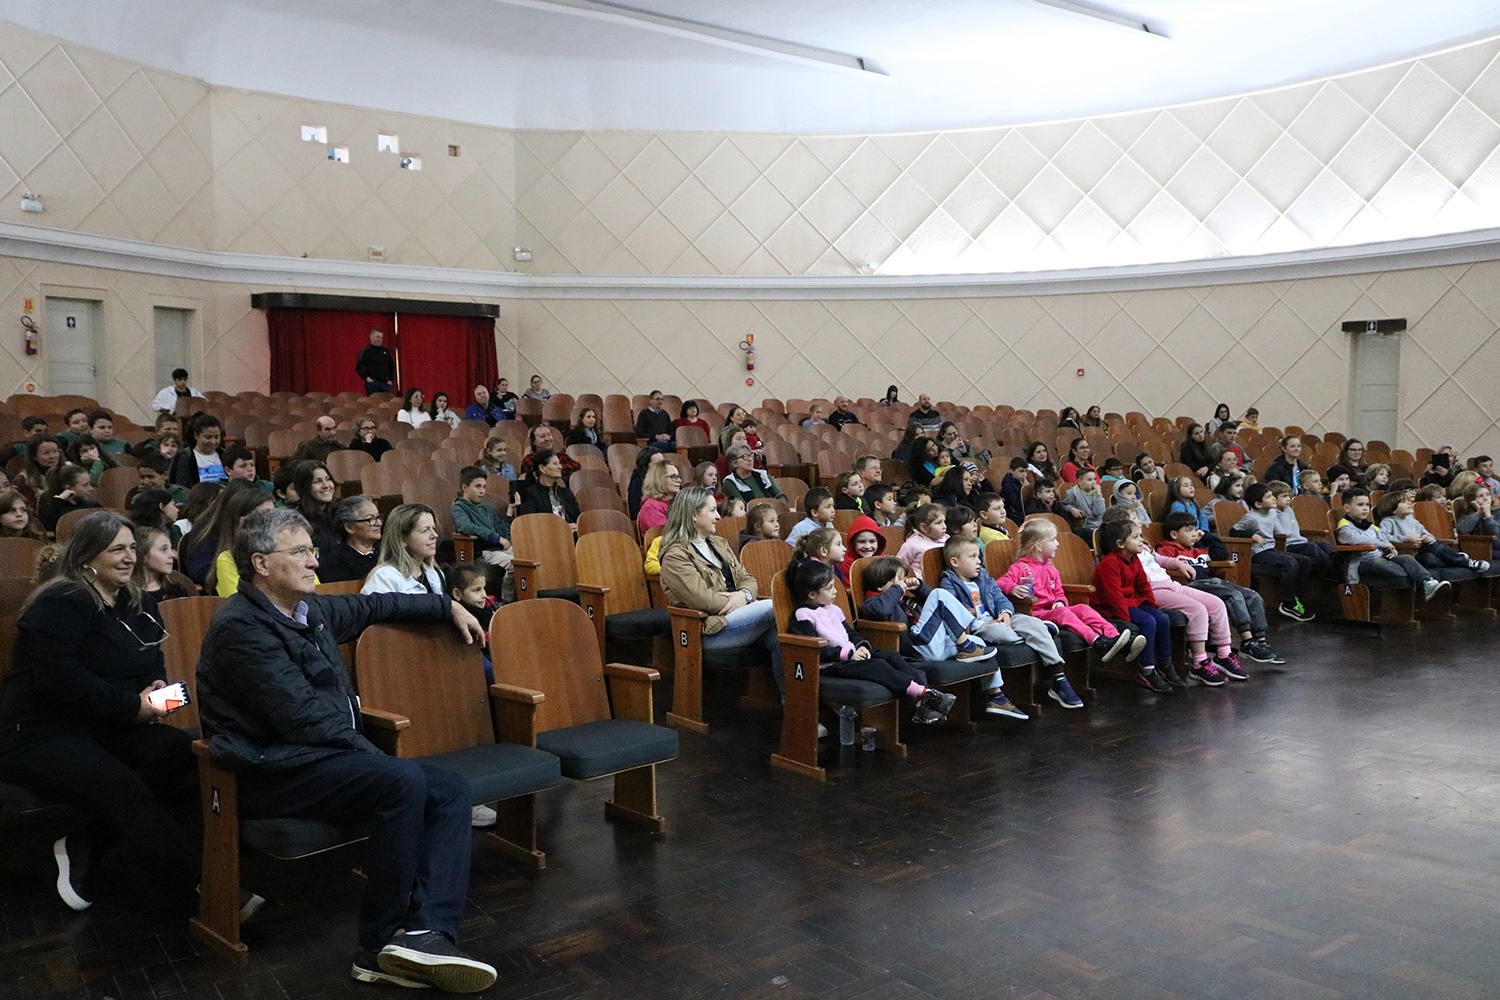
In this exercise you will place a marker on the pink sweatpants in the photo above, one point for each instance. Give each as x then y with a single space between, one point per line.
1208 620
1081 619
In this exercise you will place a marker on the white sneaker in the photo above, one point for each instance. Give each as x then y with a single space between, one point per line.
482 816
1431 588
822 731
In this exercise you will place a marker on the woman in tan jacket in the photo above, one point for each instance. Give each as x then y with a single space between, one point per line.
700 571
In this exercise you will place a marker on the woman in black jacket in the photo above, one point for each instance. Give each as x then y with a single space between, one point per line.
546 493
77 723
1194 451
201 460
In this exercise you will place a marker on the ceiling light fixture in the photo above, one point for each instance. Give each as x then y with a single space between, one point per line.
741 41
1099 14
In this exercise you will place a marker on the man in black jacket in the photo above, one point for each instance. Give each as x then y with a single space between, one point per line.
375 365
279 710
655 425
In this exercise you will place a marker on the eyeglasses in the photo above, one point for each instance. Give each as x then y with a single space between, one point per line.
372 519
144 644
300 552
675 478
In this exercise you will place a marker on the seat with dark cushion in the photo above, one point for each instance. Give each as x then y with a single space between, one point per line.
608 746
852 692
501 770
735 658
288 839
569 594
944 672
643 623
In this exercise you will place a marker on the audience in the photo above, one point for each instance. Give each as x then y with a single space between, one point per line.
586 431
202 461
68 489
411 411
661 483
359 524
323 442
16 520
654 424
439 410
546 493
408 554
366 440
484 407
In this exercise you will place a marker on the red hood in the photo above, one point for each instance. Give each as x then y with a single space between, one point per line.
863 522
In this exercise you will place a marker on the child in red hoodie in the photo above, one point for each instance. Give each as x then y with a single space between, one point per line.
1122 592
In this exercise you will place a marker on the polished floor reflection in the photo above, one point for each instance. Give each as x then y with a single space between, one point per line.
1331 829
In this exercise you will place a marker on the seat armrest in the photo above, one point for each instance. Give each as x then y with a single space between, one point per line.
1078 589
630 691
384 729
882 635
1354 548
513 713
1281 541
591 598
525 572
463 547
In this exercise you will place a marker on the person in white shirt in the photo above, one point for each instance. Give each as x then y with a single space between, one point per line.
166 400
411 409
408 554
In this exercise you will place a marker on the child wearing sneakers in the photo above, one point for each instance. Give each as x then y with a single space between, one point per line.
1259 524
926 528
1246 608
1122 591
1032 577
1382 561
818 503
996 622
937 625
1396 515
1207 619
847 653
1321 553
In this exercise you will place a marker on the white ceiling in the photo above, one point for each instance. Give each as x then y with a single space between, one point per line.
950 63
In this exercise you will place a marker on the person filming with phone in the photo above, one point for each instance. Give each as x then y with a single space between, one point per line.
77 723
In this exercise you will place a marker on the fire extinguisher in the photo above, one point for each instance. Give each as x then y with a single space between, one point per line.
748 346
32 337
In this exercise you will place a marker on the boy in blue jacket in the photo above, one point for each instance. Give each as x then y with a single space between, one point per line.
996 622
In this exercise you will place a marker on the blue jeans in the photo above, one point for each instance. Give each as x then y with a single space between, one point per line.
419 821
752 625
372 387
1154 624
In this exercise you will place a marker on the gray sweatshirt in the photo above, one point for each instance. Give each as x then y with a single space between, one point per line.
1402 529
1349 534
1286 524
1261 522
1092 505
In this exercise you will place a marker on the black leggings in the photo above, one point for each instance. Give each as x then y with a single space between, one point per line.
1321 554
891 671
118 780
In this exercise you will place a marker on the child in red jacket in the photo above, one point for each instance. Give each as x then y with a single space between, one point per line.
1122 592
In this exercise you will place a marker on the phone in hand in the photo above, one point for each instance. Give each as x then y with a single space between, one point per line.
169 698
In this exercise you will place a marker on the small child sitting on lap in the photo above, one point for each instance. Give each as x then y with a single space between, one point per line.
814 591
996 622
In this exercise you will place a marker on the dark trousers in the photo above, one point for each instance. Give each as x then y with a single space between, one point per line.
1289 568
1217 550
119 781
1321 554
1436 555
890 670
1153 623
372 387
418 819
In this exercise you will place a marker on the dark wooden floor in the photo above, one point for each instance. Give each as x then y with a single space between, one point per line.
1329 830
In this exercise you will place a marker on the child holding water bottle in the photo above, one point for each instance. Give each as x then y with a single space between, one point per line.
1033 576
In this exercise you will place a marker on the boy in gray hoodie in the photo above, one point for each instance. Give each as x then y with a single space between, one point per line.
1290 569
1088 501
1356 528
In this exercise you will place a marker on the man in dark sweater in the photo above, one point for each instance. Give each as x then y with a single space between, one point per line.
278 709
318 447
655 425
375 365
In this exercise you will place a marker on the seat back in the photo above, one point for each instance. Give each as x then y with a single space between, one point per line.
114 485
590 521
67 521
843 520
998 555
895 537
425 671
611 559
547 539
347 464
729 528
551 646
1311 511
1074 560
186 621
1436 518
341 587
765 558
1154 495
18 556
590 478
600 498
1226 516
932 566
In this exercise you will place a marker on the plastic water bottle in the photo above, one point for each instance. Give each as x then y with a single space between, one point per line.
1025 590
848 718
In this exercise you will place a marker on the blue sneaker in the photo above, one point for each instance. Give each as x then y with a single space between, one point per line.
1062 692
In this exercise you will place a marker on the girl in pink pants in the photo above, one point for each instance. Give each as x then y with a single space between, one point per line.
1208 622
1033 576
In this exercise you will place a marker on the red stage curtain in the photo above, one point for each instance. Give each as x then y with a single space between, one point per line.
313 350
449 354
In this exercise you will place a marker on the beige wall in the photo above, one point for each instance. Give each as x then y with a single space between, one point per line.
127 151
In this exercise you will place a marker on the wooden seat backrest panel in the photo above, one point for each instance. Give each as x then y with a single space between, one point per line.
186 620
425 671
547 539
550 645
763 559
611 559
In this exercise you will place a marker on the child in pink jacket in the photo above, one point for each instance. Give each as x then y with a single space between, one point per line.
1033 576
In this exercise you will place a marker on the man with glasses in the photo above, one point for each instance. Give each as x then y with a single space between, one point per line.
278 709
655 424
